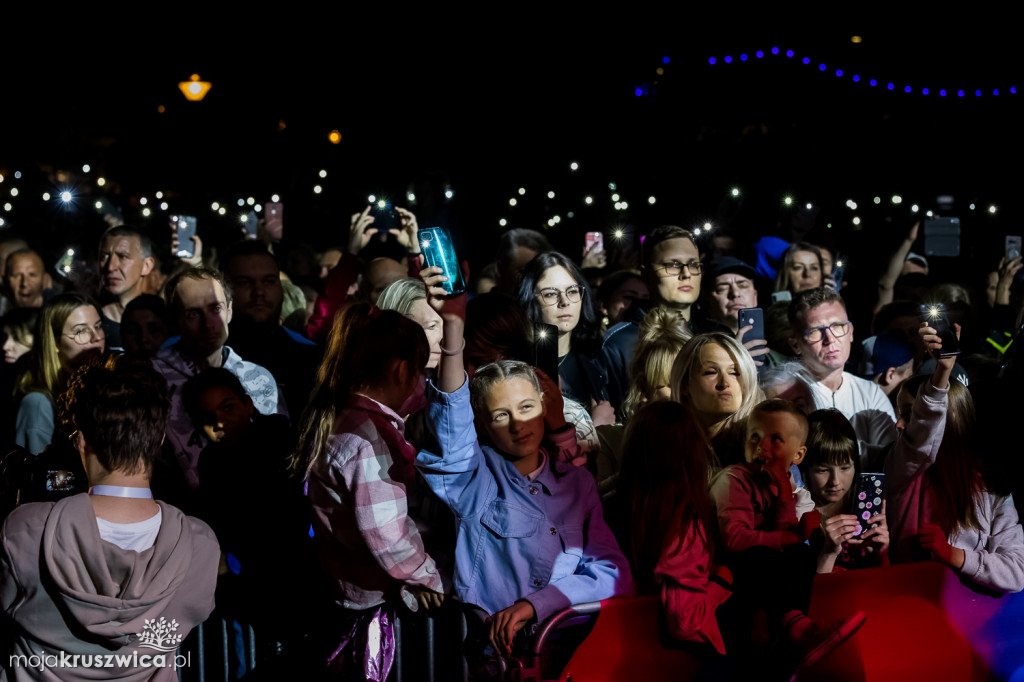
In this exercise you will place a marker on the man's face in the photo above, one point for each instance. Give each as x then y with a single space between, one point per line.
226 415
681 289
257 294
203 315
732 292
829 353
24 276
122 265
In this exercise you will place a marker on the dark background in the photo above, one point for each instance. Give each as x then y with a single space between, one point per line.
486 102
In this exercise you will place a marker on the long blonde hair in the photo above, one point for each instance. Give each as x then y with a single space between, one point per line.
45 373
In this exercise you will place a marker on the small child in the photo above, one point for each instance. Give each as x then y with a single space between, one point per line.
763 537
830 470
531 535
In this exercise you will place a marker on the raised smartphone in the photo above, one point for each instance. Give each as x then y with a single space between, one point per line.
755 318
935 315
545 349
438 251
185 226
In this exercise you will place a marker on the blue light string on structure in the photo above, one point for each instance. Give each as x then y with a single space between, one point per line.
760 54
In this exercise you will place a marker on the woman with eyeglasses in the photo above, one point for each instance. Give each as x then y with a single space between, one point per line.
69 334
552 290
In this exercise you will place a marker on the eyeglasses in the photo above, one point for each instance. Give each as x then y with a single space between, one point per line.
673 268
551 296
86 335
815 334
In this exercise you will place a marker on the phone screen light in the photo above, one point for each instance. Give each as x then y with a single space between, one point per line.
243 218
275 198
897 199
735 191
371 199
618 234
222 211
992 208
163 205
788 201
574 166
522 191
250 201
914 208
512 201
588 200
98 205
503 222
71 252
317 189
856 220
448 194
551 195
214 206
323 174
14 191
145 212
46 196
143 201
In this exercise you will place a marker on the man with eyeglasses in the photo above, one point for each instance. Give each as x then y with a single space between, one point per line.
822 336
672 269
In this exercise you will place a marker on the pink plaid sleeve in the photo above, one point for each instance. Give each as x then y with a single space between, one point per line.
381 512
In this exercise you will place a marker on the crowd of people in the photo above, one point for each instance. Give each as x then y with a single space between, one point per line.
329 450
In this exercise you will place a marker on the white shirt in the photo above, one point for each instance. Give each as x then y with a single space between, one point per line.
138 536
862 402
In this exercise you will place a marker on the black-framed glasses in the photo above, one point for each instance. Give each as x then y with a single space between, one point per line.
86 335
551 296
673 268
815 334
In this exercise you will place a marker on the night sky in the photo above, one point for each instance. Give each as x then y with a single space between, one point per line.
484 104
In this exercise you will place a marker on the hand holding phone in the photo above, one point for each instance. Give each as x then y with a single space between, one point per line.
439 251
867 500
942 340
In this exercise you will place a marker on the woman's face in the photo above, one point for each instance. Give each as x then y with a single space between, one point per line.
715 387
620 301
830 483
85 321
552 288
13 349
804 272
422 314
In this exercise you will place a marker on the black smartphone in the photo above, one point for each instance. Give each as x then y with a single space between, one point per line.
438 251
935 315
942 237
755 318
185 225
545 349
385 218
866 500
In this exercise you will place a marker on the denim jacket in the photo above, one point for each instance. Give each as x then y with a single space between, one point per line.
543 540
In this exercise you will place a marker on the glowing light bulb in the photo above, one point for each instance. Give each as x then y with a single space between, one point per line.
574 166
317 189
618 234
275 198
650 200
522 191
65 196
503 222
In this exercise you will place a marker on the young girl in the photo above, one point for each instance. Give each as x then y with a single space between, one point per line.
938 501
358 467
530 534
830 470
665 484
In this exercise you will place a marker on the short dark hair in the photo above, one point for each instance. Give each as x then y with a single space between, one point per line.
521 237
211 377
246 247
831 439
780 405
121 409
150 302
809 299
198 273
660 234
145 243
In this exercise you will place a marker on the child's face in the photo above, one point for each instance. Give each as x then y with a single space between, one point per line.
514 418
830 483
775 439
226 414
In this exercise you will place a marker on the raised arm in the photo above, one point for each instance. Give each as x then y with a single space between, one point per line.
451 373
888 279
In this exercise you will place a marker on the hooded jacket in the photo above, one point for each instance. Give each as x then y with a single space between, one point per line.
92 609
